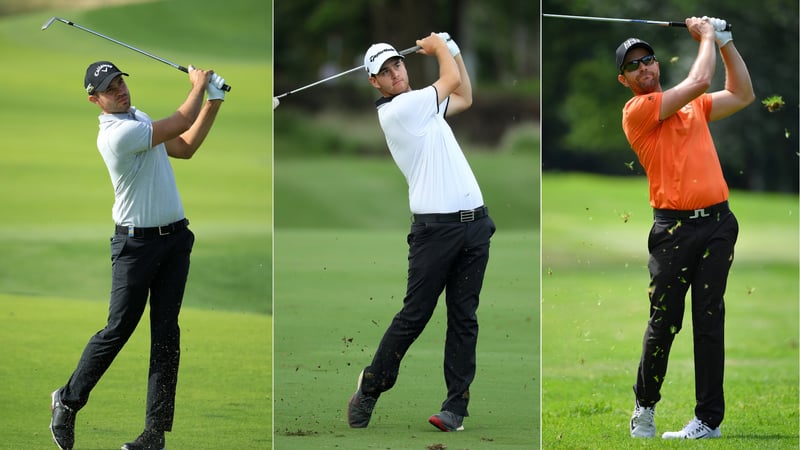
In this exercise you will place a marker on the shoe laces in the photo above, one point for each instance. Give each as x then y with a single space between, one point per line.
454 418
696 428
644 412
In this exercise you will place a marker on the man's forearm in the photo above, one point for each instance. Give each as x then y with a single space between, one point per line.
195 136
185 145
465 89
706 62
191 107
737 77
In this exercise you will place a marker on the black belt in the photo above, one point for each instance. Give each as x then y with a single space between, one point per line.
702 213
461 216
152 232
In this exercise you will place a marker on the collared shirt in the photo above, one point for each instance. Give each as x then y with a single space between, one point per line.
425 150
145 192
677 153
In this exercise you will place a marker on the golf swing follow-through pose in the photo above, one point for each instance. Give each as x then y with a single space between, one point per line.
691 242
276 100
50 21
151 245
449 237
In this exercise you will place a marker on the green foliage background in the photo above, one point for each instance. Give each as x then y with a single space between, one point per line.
582 99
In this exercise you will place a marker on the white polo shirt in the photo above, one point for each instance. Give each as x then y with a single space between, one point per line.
145 192
422 145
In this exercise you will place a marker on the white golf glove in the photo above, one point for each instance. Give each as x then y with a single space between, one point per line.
451 44
214 88
723 37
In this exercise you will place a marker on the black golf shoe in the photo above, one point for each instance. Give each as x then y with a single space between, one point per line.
148 440
447 421
62 424
360 406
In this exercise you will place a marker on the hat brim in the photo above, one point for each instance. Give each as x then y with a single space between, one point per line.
381 60
107 81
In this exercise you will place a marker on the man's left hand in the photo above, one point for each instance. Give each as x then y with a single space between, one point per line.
722 36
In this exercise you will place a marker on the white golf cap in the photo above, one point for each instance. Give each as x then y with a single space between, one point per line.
376 55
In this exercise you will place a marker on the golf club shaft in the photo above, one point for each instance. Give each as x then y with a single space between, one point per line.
404 53
138 50
611 19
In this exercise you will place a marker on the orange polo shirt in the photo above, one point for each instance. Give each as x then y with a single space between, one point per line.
677 153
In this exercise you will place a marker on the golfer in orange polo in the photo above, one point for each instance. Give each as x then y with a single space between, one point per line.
694 232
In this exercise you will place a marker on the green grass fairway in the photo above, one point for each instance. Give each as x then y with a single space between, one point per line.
337 290
56 222
595 307
352 192
56 194
216 407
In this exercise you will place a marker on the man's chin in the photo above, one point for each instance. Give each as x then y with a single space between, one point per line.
120 110
647 88
399 88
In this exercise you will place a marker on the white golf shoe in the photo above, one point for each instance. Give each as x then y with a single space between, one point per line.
694 430
643 424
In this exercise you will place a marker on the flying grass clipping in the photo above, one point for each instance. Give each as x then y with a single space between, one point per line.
774 103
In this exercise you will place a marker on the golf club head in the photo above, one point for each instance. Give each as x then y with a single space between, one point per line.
49 22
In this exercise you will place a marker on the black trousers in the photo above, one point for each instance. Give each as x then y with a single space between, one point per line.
158 266
451 256
696 254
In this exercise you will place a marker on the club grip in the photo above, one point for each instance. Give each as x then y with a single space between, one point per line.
225 87
683 24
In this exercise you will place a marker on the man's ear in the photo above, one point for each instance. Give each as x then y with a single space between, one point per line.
623 81
374 82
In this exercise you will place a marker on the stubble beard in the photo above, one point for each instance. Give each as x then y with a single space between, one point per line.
649 85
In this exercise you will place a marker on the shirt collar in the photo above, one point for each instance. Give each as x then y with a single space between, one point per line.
383 100
130 115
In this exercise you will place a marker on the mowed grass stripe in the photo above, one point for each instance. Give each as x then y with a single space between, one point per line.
371 193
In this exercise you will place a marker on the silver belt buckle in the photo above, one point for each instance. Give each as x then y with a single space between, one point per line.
467 216
160 233
130 230
698 213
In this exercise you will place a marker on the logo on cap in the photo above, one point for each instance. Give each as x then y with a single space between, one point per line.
376 55
373 57
102 68
630 42
99 75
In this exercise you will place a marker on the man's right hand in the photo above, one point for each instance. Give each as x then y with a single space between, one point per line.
700 27
199 77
